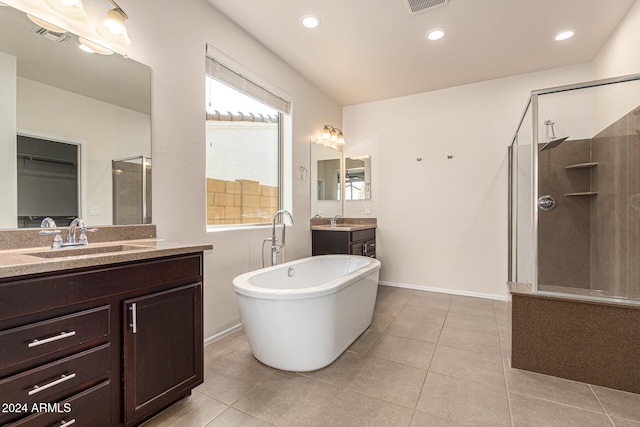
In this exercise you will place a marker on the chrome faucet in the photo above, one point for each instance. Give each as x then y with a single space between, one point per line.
276 247
71 234
334 220
48 223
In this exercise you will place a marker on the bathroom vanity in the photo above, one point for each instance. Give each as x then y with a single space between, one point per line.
349 236
102 339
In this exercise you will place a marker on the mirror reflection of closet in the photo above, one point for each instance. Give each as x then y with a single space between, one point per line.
357 178
326 167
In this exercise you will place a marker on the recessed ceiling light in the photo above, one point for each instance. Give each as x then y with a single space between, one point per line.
564 35
436 34
310 21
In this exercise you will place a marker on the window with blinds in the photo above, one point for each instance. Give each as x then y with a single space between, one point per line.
244 147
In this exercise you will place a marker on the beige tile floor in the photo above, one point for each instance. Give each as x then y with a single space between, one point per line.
428 359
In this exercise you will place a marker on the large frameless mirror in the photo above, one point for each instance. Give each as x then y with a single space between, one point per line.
326 176
80 114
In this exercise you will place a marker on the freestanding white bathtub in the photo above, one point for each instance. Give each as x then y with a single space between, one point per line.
301 315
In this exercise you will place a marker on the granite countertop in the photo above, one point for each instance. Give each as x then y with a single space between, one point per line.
343 224
343 227
18 262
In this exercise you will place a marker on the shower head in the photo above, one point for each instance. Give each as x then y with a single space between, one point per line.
553 143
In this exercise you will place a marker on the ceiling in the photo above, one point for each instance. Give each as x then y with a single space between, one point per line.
367 50
113 79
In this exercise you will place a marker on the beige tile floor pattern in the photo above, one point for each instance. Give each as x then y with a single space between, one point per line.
428 359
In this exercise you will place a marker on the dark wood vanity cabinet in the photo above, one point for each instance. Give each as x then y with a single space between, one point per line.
162 348
356 242
100 346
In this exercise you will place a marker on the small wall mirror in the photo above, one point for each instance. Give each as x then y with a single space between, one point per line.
326 167
357 178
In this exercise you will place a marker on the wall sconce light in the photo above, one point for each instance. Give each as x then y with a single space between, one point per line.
112 28
70 8
46 25
330 136
91 47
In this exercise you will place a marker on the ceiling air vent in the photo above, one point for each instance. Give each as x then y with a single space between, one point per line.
420 5
54 37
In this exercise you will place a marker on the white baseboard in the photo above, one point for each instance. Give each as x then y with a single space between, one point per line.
444 290
222 334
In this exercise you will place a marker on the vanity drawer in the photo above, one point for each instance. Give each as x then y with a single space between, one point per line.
57 380
359 235
42 340
88 408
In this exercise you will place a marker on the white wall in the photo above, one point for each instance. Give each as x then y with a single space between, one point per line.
618 57
442 223
171 39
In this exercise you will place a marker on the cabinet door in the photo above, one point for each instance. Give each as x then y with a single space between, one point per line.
356 248
163 347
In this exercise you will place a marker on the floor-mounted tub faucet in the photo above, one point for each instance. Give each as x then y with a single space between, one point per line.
276 247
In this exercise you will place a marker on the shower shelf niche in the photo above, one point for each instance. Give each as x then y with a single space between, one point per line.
582 165
584 193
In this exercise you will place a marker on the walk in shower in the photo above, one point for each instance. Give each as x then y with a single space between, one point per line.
574 231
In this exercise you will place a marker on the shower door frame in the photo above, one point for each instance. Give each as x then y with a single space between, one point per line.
513 214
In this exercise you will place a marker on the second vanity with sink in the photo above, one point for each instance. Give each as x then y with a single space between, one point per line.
353 236
106 335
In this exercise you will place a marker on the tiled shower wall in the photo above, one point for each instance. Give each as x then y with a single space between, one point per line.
593 241
615 212
563 232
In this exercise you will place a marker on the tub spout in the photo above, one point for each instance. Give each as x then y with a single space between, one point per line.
275 246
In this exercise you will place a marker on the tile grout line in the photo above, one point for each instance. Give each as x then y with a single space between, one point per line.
504 373
601 405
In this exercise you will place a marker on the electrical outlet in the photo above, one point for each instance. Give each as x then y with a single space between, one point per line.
367 209
94 210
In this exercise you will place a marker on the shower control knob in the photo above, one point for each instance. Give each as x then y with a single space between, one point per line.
546 203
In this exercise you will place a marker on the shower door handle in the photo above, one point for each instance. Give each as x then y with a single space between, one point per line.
546 203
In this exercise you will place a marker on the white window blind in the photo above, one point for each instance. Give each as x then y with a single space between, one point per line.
217 70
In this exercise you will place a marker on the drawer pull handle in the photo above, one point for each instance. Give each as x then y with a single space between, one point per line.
36 342
63 378
67 423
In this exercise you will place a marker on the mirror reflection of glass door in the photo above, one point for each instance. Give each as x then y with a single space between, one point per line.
326 173
47 181
329 179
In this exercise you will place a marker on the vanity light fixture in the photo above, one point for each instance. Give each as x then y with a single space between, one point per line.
112 29
92 47
70 8
564 35
330 136
435 34
46 25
